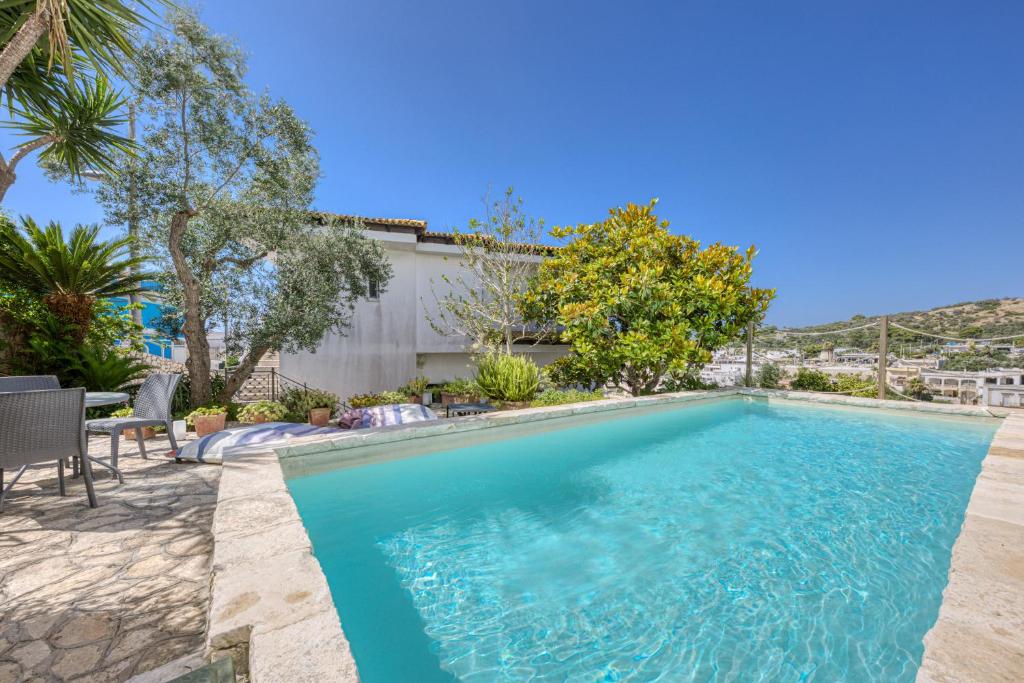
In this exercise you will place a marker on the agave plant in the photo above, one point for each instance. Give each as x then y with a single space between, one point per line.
505 377
67 275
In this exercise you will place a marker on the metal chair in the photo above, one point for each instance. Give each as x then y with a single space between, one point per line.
152 409
42 426
28 383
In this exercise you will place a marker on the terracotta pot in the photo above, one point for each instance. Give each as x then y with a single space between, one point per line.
318 417
415 399
259 419
208 424
147 433
515 405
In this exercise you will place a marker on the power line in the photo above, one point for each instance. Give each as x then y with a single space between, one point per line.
958 339
824 332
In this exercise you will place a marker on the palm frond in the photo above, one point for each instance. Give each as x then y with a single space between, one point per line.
100 30
78 125
40 261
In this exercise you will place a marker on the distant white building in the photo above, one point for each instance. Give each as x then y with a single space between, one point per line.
391 340
999 387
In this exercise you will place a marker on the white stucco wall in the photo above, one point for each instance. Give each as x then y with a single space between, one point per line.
391 340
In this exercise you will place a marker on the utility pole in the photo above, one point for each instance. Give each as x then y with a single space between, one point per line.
750 354
883 352
133 215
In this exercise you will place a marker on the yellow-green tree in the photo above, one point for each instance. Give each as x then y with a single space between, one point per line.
636 301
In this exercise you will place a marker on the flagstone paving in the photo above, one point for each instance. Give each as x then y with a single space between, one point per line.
104 594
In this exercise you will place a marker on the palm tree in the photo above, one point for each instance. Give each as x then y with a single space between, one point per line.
98 30
67 275
75 129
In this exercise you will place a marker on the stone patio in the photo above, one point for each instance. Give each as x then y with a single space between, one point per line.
108 593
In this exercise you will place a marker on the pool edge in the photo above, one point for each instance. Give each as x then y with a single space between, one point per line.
271 609
976 636
291 630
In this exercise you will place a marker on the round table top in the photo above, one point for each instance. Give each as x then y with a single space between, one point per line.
105 398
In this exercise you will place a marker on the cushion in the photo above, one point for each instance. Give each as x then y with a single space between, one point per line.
213 448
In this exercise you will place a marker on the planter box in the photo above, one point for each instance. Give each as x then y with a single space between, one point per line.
318 417
147 433
415 399
514 405
208 424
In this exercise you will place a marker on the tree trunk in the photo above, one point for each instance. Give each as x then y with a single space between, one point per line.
72 309
242 372
21 44
198 345
6 180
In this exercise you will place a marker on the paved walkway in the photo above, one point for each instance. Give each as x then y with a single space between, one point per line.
104 594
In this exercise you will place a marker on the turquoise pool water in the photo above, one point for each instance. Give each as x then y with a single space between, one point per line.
727 541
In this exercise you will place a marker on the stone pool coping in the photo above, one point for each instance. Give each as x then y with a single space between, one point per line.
271 608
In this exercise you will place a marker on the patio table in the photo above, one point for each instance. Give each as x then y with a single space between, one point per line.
94 399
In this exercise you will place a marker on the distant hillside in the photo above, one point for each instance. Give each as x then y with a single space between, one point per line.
974 319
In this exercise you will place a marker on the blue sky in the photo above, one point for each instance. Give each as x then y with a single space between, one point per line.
873 151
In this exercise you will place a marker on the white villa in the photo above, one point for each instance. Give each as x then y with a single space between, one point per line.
1001 388
391 340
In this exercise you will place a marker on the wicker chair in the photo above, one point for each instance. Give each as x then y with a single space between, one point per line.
28 383
152 409
43 426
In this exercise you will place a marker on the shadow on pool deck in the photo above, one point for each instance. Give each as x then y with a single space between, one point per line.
104 594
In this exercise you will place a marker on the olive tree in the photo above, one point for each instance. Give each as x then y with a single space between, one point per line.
636 301
224 180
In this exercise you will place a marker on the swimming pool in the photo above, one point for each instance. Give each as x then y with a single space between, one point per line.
732 540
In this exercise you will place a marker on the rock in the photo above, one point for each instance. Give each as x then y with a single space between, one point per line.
79 660
84 628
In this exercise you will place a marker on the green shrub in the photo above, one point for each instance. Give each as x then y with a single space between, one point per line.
106 369
855 385
557 397
190 419
573 370
123 412
684 380
383 398
769 376
812 380
461 387
272 411
916 388
503 377
300 401
416 387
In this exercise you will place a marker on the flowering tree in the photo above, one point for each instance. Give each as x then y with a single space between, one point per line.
636 301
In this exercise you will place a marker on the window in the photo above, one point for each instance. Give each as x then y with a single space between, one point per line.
372 290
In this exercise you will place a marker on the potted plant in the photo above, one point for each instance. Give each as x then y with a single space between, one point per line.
383 398
416 388
129 434
207 419
262 411
511 380
319 406
460 391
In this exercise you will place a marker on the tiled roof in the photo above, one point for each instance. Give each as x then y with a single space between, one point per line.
415 226
420 226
